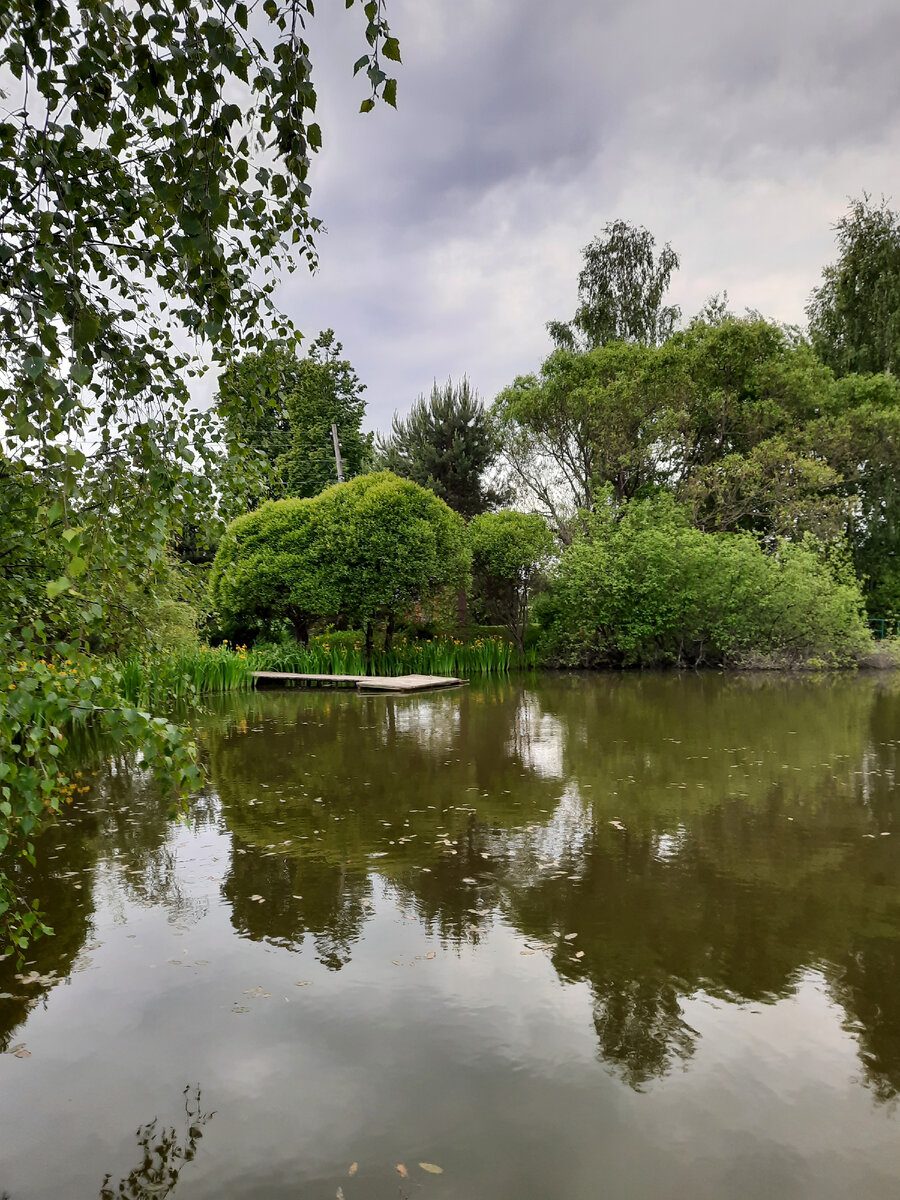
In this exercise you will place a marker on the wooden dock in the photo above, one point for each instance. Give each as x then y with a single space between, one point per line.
362 683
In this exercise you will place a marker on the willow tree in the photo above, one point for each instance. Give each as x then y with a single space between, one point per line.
621 291
854 315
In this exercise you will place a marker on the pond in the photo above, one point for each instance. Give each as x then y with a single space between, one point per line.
564 936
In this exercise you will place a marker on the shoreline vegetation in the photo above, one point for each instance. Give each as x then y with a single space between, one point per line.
159 681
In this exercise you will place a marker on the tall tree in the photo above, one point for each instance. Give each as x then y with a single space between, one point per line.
588 422
621 289
445 444
326 392
282 407
854 316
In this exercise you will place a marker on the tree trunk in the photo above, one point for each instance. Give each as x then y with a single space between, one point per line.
300 625
462 608
370 647
389 633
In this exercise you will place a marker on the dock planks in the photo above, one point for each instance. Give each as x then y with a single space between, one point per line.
362 683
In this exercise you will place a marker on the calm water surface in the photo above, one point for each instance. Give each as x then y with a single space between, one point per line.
570 937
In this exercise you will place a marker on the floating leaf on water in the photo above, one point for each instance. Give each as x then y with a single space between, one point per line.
524 952
401 1170
303 982
339 1194
238 1008
580 954
354 1167
396 962
432 1168
23 1053
430 954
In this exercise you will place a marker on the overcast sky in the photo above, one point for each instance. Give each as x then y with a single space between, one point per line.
734 131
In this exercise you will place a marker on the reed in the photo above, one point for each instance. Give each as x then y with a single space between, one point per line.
151 680
344 654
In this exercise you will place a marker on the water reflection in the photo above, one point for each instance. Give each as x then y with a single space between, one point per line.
164 1151
654 837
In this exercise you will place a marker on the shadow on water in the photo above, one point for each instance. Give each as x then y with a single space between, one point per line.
655 837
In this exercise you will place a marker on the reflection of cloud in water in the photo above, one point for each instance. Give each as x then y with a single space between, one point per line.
668 846
429 721
536 739
563 837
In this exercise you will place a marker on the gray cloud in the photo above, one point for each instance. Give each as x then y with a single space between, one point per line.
736 132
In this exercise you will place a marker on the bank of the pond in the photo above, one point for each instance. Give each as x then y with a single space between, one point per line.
156 679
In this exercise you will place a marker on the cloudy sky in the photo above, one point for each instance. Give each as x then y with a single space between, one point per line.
734 131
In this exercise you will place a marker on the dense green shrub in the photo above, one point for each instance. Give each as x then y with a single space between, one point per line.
366 552
643 587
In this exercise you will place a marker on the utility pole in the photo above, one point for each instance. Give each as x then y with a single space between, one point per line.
337 454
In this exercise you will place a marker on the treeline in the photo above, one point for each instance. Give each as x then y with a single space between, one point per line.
720 490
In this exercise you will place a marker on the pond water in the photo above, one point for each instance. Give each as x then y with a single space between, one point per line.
569 937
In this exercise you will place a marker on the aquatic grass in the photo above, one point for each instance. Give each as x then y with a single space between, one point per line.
154 679
344 654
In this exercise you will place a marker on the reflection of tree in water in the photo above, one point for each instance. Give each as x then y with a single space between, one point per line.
354 784
164 1153
300 897
867 990
704 835
114 841
641 1028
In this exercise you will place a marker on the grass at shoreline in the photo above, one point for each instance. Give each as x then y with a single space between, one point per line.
153 679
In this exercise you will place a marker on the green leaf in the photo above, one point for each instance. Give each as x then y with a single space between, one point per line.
55 587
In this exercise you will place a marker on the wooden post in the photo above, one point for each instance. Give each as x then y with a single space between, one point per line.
337 454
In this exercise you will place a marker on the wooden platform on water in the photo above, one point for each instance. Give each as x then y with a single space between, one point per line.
362 683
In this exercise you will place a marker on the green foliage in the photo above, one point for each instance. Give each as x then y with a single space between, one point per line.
738 418
154 162
282 407
748 380
772 489
344 653
510 551
645 588
43 701
621 288
157 681
445 443
588 420
854 315
367 551
860 437
327 392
